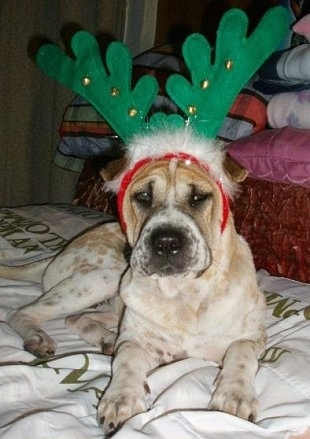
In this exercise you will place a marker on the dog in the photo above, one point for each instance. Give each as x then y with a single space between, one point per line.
189 289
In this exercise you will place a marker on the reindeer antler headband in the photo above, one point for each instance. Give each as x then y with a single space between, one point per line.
205 101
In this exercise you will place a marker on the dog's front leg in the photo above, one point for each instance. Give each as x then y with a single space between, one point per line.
235 392
128 391
72 294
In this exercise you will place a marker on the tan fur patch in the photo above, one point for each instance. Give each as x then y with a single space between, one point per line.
181 180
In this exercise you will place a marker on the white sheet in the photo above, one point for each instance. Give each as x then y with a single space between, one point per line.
57 398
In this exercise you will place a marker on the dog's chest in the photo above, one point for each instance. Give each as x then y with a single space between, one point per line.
172 328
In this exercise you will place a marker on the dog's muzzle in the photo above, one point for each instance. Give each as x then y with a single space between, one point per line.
171 247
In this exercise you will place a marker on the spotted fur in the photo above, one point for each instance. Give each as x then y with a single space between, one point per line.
189 291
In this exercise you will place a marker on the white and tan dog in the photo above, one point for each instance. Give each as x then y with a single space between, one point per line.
190 289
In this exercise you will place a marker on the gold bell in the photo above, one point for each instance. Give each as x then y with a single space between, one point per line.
132 112
114 91
229 64
192 109
204 84
86 81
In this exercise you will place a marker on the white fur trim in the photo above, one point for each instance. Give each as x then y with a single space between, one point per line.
160 143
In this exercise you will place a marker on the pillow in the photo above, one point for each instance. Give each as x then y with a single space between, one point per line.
289 109
84 133
34 232
278 155
247 115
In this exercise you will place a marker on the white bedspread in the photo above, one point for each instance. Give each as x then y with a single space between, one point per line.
57 398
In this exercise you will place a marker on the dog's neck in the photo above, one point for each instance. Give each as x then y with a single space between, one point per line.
171 287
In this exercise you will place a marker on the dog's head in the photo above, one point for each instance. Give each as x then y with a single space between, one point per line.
174 207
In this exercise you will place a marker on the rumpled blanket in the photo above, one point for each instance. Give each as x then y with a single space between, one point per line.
56 398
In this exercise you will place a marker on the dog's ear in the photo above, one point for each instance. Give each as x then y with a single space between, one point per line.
113 169
234 170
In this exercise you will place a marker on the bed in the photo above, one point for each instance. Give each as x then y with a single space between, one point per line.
57 398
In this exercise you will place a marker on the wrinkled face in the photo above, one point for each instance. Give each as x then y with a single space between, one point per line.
173 213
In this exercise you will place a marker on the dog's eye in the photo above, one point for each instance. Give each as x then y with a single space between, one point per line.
144 198
198 198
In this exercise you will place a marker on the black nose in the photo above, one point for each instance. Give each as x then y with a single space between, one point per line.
167 242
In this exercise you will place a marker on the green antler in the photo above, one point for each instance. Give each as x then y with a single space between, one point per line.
214 87
205 101
108 91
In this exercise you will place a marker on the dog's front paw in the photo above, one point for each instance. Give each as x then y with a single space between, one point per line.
40 344
119 404
236 397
